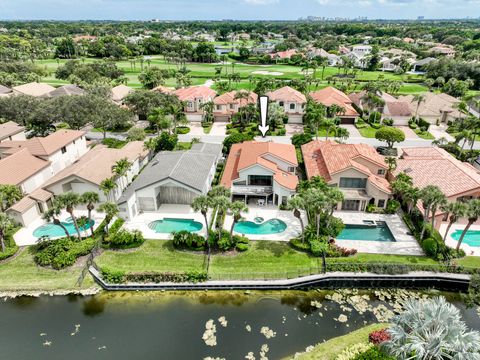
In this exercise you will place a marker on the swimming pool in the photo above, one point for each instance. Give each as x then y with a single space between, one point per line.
377 232
52 231
272 226
169 225
472 237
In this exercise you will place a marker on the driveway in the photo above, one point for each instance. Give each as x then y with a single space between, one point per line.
196 129
439 131
352 130
409 133
292 129
218 129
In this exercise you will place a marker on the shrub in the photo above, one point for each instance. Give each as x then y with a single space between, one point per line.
62 253
281 132
188 276
301 139
234 139
187 240
113 276
379 336
9 251
430 247
374 117
392 206
371 208
373 353
115 226
352 351
388 122
338 251
412 126
376 125
114 143
241 247
125 239
297 244
422 123
182 130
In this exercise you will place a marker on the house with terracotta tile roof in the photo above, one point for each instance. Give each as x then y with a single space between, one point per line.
356 169
292 101
194 97
262 172
60 148
441 107
434 166
91 169
330 96
11 131
33 89
228 104
163 89
120 92
284 55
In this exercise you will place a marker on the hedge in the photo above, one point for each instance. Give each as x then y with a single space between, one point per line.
119 277
63 252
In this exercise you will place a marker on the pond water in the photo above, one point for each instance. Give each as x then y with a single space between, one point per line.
165 326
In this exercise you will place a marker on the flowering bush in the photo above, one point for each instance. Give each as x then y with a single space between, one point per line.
379 336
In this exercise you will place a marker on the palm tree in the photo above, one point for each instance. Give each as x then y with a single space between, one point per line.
431 329
202 204
429 195
52 214
120 168
391 162
6 223
439 201
157 116
69 201
237 208
418 99
111 210
472 213
454 211
107 186
341 133
296 204
90 198
222 204
9 195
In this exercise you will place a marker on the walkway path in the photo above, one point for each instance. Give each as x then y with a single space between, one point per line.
409 133
439 131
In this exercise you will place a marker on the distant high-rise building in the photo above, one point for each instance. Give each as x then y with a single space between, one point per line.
421 18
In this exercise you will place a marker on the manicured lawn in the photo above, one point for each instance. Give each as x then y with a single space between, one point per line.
264 259
424 135
183 146
368 131
330 349
473 261
22 274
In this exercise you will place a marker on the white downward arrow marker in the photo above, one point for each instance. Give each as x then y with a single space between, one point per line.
263 127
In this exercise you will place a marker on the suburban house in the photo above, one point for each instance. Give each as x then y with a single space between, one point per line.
227 105
91 169
362 50
330 96
444 50
262 172
441 107
163 89
173 177
120 92
66 90
5 91
283 55
292 101
356 169
33 89
194 97
434 166
333 59
419 66
28 164
11 131
60 148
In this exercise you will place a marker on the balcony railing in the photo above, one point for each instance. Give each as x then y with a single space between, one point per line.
252 190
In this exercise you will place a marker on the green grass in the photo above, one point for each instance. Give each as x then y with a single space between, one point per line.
330 349
368 131
264 259
473 261
23 274
183 146
424 135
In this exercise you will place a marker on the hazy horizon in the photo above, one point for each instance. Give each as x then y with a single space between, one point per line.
246 10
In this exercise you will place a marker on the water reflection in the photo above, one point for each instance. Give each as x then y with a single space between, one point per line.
94 305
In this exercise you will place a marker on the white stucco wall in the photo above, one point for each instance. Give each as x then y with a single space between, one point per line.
36 180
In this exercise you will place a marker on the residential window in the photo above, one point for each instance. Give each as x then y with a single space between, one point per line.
232 106
64 150
281 103
219 107
381 203
381 172
355 183
291 169
292 106
260 180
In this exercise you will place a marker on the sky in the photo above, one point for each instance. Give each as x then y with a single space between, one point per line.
234 9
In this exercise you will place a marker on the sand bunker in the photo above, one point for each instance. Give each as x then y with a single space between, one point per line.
263 72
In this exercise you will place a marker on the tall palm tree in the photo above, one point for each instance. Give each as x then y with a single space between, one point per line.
6 223
418 99
237 208
90 198
222 204
120 168
107 186
473 213
296 204
439 201
111 210
454 211
429 196
52 214
202 204
69 201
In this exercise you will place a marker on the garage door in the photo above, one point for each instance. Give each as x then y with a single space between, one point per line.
295 119
222 119
345 121
175 195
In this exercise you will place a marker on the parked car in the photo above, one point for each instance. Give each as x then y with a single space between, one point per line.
386 151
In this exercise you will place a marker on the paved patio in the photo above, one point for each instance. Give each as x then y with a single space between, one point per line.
25 237
469 250
267 213
405 243
141 221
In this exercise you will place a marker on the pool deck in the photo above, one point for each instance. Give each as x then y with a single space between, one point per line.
469 250
141 221
267 213
405 244
25 237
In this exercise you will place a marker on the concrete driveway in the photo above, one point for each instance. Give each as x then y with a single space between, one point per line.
218 129
292 129
409 133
